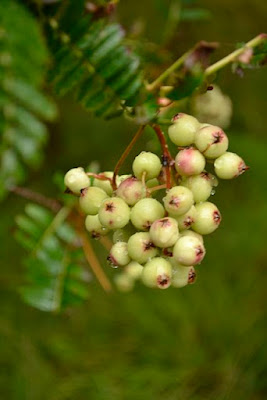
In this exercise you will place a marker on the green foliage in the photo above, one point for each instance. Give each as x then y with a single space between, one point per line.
92 60
55 276
22 104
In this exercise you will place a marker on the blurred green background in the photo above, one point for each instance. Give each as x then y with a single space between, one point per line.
206 341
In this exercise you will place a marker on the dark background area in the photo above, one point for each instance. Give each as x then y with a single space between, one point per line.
206 341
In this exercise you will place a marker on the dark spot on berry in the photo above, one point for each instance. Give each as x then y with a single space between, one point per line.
218 137
147 225
167 252
83 192
205 175
177 116
164 222
95 235
210 87
148 246
110 207
175 201
163 281
192 276
188 221
242 168
112 260
216 217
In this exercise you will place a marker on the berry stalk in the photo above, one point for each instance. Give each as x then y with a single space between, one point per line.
166 155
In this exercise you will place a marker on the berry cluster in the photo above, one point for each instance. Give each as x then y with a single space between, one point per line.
159 213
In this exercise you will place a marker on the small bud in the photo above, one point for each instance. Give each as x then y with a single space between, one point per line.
76 180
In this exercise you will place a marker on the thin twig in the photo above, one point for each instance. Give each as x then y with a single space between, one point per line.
167 158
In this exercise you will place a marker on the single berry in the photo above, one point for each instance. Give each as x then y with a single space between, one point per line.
186 220
104 184
192 234
182 276
91 199
200 185
94 226
123 234
133 270
118 255
152 183
121 178
157 273
131 190
145 212
208 218
229 166
164 232
148 163
114 213
188 250
211 141
189 162
124 282
141 248
178 200
76 180
182 131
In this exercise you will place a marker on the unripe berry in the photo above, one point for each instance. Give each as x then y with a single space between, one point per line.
123 234
189 162
133 270
229 166
188 250
200 185
178 200
186 220
118 255
131 190
183 276
146 162
76 180
141 248
94 226
192 234
91 199
208 218
164 232
145 212
114 213
211 141
124 282
104 184
182 131
157 273
152 182
121 178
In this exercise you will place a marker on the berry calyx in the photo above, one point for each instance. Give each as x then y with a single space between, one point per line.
148 163
229 166
114 213
211 141
182 131
188 250
157 273
76 180
178 200
189 162
208 218
164 232
186 220
91 199
141 248
145 212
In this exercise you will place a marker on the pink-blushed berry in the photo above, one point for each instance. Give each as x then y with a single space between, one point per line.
91 199
94 226
189 162
131 190
145 212
118 255
114 213
211 141
148 163
188 250
76 180
178 200
208 218
182 131
229 166
200 185
164 232
182 276
141 248
186 220
157 272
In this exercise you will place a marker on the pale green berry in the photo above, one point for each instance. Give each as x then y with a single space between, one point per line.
124 282
118 255
131 190
188 250
182 131
192 234
133 270
152 183
229 166
189 162
76 180
178 200
186 220
208 218
200 185
91 199
183 276
141 248
145 212
148 163
164 232
94 226
114 213
211 141
123 234
157 273
104 184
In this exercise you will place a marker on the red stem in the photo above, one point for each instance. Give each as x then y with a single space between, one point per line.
167 158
